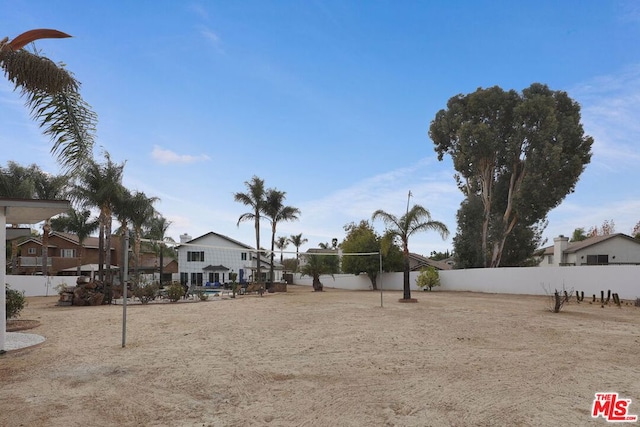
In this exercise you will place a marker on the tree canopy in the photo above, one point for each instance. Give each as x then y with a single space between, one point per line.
362 238
521 153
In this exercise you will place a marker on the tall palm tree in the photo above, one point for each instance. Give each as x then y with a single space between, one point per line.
100 186
143 213
297 241
275 211
48 187
79 223
281 244
52 95
415 220
156 229
254 198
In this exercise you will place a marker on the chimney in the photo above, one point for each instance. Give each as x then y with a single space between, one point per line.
184 238
560 245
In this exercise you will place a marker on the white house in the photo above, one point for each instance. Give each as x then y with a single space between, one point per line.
599 250
212 257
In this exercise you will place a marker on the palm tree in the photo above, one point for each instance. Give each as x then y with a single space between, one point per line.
275 211
281 244
78 223
297 241
100 186
415 220
255 198
319 264
156 230
48 187
143 213
52 95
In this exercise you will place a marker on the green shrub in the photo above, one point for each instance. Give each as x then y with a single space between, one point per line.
15 302
175 291
145 291
428 278
202 295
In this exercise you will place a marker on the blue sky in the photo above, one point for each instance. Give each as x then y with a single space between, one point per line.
329 101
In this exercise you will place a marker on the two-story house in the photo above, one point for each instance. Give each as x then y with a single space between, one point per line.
616 248
212 257
64 252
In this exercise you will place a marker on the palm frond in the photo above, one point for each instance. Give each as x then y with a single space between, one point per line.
31 72
70 123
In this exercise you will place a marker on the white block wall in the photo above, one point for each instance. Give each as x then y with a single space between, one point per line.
621 279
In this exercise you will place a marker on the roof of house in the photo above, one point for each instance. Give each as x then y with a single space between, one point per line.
576 246
222 236
422 261
89 242
322 251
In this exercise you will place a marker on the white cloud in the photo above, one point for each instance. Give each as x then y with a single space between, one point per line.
212 38
610 111
164 156
434 188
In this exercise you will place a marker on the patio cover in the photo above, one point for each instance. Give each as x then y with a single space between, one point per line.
20 211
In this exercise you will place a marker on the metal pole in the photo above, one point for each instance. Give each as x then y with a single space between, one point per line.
3 276
125 279
380 257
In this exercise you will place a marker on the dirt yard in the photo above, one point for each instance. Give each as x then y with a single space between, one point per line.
323 359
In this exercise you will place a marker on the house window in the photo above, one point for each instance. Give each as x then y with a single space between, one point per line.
196 279
184 278
550 259
243 256
195 256
31 251
597 259
68 253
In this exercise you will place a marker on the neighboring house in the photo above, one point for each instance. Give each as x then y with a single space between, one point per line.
63 253
599 250
212 257
64 256
317 251
416 262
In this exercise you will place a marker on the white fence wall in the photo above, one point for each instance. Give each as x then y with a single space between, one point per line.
623 279
36 286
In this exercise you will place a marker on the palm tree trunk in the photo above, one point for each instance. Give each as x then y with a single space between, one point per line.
45 247
80 254
407 286
161 264
273 241
258 267
101 250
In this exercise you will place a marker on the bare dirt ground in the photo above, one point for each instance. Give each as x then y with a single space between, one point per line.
323 359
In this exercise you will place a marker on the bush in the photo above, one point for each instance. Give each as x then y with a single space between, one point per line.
175 291
428 278
15 302
145 291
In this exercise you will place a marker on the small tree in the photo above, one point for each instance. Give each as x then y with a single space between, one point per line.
428 278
